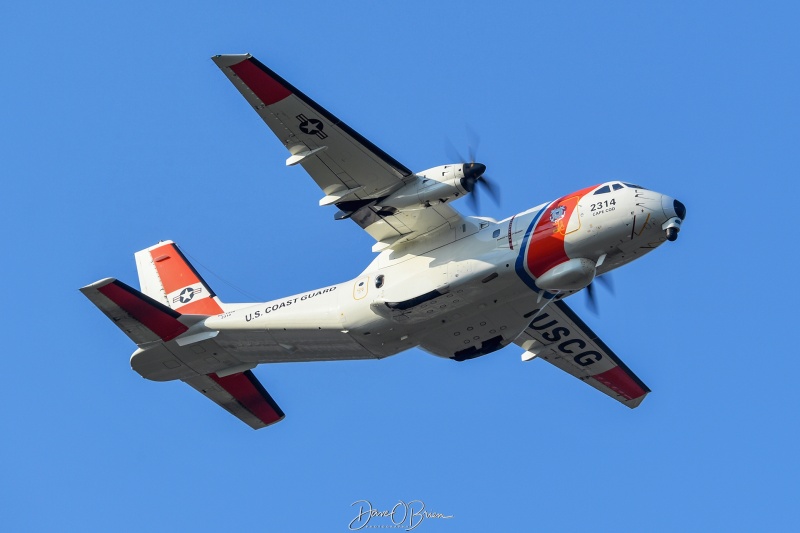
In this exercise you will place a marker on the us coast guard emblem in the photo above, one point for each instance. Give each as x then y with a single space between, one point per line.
557 213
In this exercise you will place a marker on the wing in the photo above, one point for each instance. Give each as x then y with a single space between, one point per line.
561 338
242 396
353 173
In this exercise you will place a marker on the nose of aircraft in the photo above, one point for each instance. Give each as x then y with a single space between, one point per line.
675 212
680 209
672 207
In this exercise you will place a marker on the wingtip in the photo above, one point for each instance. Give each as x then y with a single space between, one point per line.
633 404
97 284
227 60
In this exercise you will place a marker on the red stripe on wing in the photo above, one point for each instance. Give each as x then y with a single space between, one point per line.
262 84
253 397
154 316
620 382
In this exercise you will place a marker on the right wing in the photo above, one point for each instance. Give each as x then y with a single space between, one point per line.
353 173
560 337
302 125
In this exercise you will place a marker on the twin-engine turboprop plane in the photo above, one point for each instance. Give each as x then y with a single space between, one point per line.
458 287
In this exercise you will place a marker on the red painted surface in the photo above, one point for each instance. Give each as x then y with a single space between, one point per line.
175 274
203 306
617 380
156 320
546 246
241 388
266 88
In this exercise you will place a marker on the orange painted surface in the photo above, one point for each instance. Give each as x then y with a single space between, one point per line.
546 247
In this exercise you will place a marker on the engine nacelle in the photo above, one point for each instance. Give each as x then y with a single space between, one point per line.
571 275
436 185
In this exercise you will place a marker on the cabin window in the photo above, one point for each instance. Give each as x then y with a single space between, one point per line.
496 233
603 190
379 281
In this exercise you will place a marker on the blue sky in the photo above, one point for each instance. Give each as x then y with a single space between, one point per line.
119 131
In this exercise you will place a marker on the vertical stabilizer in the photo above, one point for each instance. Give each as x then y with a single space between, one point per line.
167 276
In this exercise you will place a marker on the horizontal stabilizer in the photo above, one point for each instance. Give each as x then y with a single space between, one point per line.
242 396
140 317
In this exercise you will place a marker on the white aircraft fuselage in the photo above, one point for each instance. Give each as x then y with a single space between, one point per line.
458 287
470 291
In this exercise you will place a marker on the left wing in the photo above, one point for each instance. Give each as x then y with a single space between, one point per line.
354 174
561 338
242 395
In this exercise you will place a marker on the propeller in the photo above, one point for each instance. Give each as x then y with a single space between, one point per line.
591 302
474 180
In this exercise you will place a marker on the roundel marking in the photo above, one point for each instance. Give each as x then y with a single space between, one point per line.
311 126
186 295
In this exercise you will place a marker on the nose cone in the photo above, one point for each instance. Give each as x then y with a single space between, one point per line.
680 209
672 207
472 171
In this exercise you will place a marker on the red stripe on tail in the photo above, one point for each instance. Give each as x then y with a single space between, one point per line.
176 273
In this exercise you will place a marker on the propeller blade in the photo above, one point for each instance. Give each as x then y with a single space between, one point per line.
591 301
474 143
452 152
473 199
607 281
490 189
473 179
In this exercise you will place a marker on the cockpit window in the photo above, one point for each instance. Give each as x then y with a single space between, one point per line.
603 190
617 186
634 186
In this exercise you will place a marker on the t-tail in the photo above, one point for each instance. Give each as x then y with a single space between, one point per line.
166 320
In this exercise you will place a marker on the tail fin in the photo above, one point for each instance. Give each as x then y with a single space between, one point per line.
167 276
